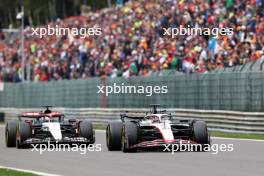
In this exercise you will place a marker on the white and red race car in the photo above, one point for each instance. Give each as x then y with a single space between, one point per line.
47 127
154 130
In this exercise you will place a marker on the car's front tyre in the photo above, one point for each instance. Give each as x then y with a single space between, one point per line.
200 133
129 137
23 132
113 136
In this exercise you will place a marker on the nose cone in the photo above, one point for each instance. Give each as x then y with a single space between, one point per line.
165 130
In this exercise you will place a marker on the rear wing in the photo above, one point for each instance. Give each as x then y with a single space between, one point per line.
38 115
137 116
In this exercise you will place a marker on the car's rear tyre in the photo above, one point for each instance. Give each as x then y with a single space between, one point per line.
129 137
23 132
10 133
113 136
200 133
86 131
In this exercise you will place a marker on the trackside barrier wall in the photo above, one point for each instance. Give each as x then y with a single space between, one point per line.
236 91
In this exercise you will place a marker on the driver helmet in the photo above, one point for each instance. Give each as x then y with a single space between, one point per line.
46 119
155 119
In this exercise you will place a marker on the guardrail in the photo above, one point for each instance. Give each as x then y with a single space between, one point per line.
230 121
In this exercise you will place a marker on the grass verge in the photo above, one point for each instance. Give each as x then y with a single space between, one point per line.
212 133
10 172
97 126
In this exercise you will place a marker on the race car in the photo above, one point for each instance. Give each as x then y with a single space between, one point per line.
154 130
47 127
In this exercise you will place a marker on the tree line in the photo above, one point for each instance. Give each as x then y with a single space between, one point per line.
42 11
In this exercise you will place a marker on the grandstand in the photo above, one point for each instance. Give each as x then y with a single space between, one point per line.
132 43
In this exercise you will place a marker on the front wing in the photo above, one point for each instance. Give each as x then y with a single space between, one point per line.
75 140
160 143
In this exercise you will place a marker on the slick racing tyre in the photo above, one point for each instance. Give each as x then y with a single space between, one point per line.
23 132
129 137
113 136
10 133
200 133
86 131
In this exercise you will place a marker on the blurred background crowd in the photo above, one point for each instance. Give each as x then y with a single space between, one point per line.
132 41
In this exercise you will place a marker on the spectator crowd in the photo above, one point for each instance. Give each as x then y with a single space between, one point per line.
132 41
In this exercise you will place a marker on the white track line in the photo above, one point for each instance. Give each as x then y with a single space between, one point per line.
29 171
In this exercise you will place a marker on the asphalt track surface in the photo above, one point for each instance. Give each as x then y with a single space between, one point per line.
247 159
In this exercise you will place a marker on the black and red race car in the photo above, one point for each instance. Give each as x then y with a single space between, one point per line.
47 126
154 130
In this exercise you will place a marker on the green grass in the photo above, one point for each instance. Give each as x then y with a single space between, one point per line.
97 126
9 172
212 133
237 135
